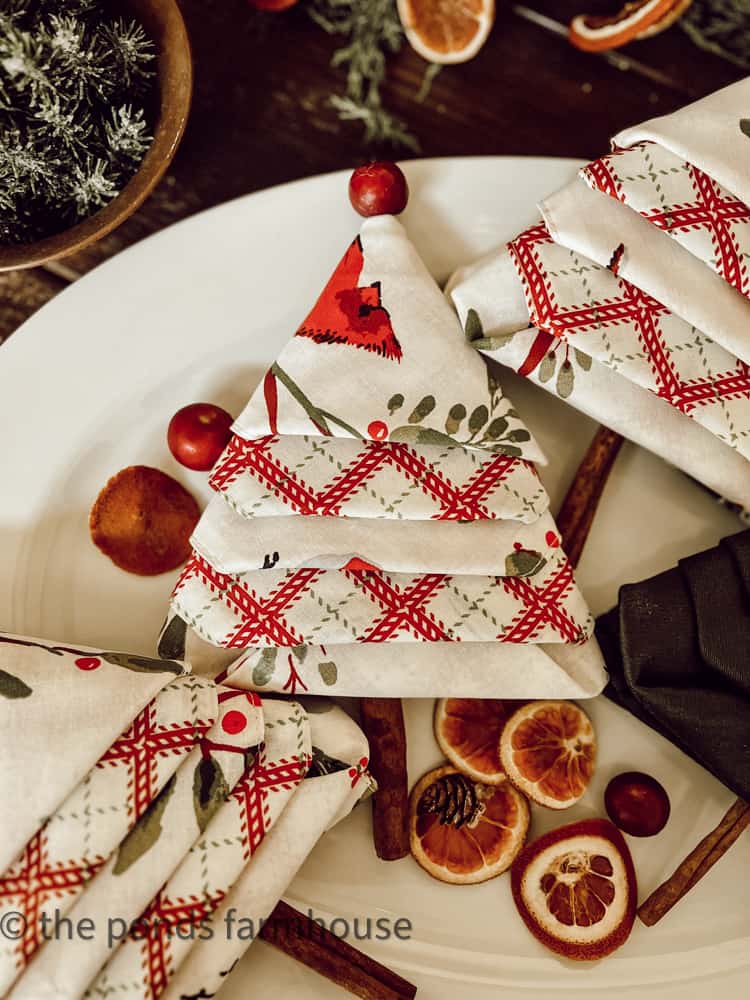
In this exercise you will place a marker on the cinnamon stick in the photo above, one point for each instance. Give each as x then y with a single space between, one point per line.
302 938
700 860
383 724
576 514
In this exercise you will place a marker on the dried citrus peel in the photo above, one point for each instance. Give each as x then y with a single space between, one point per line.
598 33
468 732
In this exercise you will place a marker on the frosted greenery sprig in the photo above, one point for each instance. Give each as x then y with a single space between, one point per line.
372 29
73 127
721 27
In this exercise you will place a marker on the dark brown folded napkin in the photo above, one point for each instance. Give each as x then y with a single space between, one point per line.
678 651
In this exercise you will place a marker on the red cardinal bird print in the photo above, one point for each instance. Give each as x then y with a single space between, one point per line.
346 313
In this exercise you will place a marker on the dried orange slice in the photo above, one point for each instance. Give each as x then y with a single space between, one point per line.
548 749
462 831
576 890
468 732
672 15
447 31
143 520
598 33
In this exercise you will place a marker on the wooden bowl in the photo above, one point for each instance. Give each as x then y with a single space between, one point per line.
163 23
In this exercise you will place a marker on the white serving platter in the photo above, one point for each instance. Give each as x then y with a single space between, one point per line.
197 312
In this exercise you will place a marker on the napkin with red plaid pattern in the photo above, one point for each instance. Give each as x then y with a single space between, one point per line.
380 488
635 285
149 831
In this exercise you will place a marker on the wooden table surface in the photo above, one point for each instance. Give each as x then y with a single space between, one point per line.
261 112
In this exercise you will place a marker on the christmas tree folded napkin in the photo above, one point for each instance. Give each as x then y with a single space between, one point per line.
146 837
638 267
381 488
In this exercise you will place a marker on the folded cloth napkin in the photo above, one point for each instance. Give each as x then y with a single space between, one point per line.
234 544
674 196
149 854
86 828
638 266
588 307
162 936
336 780
58 692
380 488
606 396
166 825
598 227
273 476
676 648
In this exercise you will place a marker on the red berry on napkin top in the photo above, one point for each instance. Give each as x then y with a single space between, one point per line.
378 189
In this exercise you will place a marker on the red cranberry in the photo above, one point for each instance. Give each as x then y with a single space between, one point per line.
378 189
637 803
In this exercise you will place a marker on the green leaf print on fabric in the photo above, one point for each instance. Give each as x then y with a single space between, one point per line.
328 672
143 664
210 790
172 641
146 831
524 562
473 328
13 687
265 667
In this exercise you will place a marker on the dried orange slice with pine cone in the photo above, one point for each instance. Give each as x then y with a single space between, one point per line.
468 732
548 751
636 19
462 831
575 889
447 31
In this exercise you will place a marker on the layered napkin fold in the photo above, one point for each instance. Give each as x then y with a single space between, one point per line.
74 843
166 931
57 691
131 871
272 476
337 779
676 665
380 488
638 267
174 819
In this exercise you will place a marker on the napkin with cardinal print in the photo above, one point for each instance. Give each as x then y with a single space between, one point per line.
381 488
635 286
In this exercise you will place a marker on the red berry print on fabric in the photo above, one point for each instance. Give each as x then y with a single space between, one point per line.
88 662
234 722
377 430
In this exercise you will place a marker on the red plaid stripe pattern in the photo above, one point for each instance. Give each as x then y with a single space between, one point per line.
158 923
467 500
631 308
680 199
36 879
299 607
